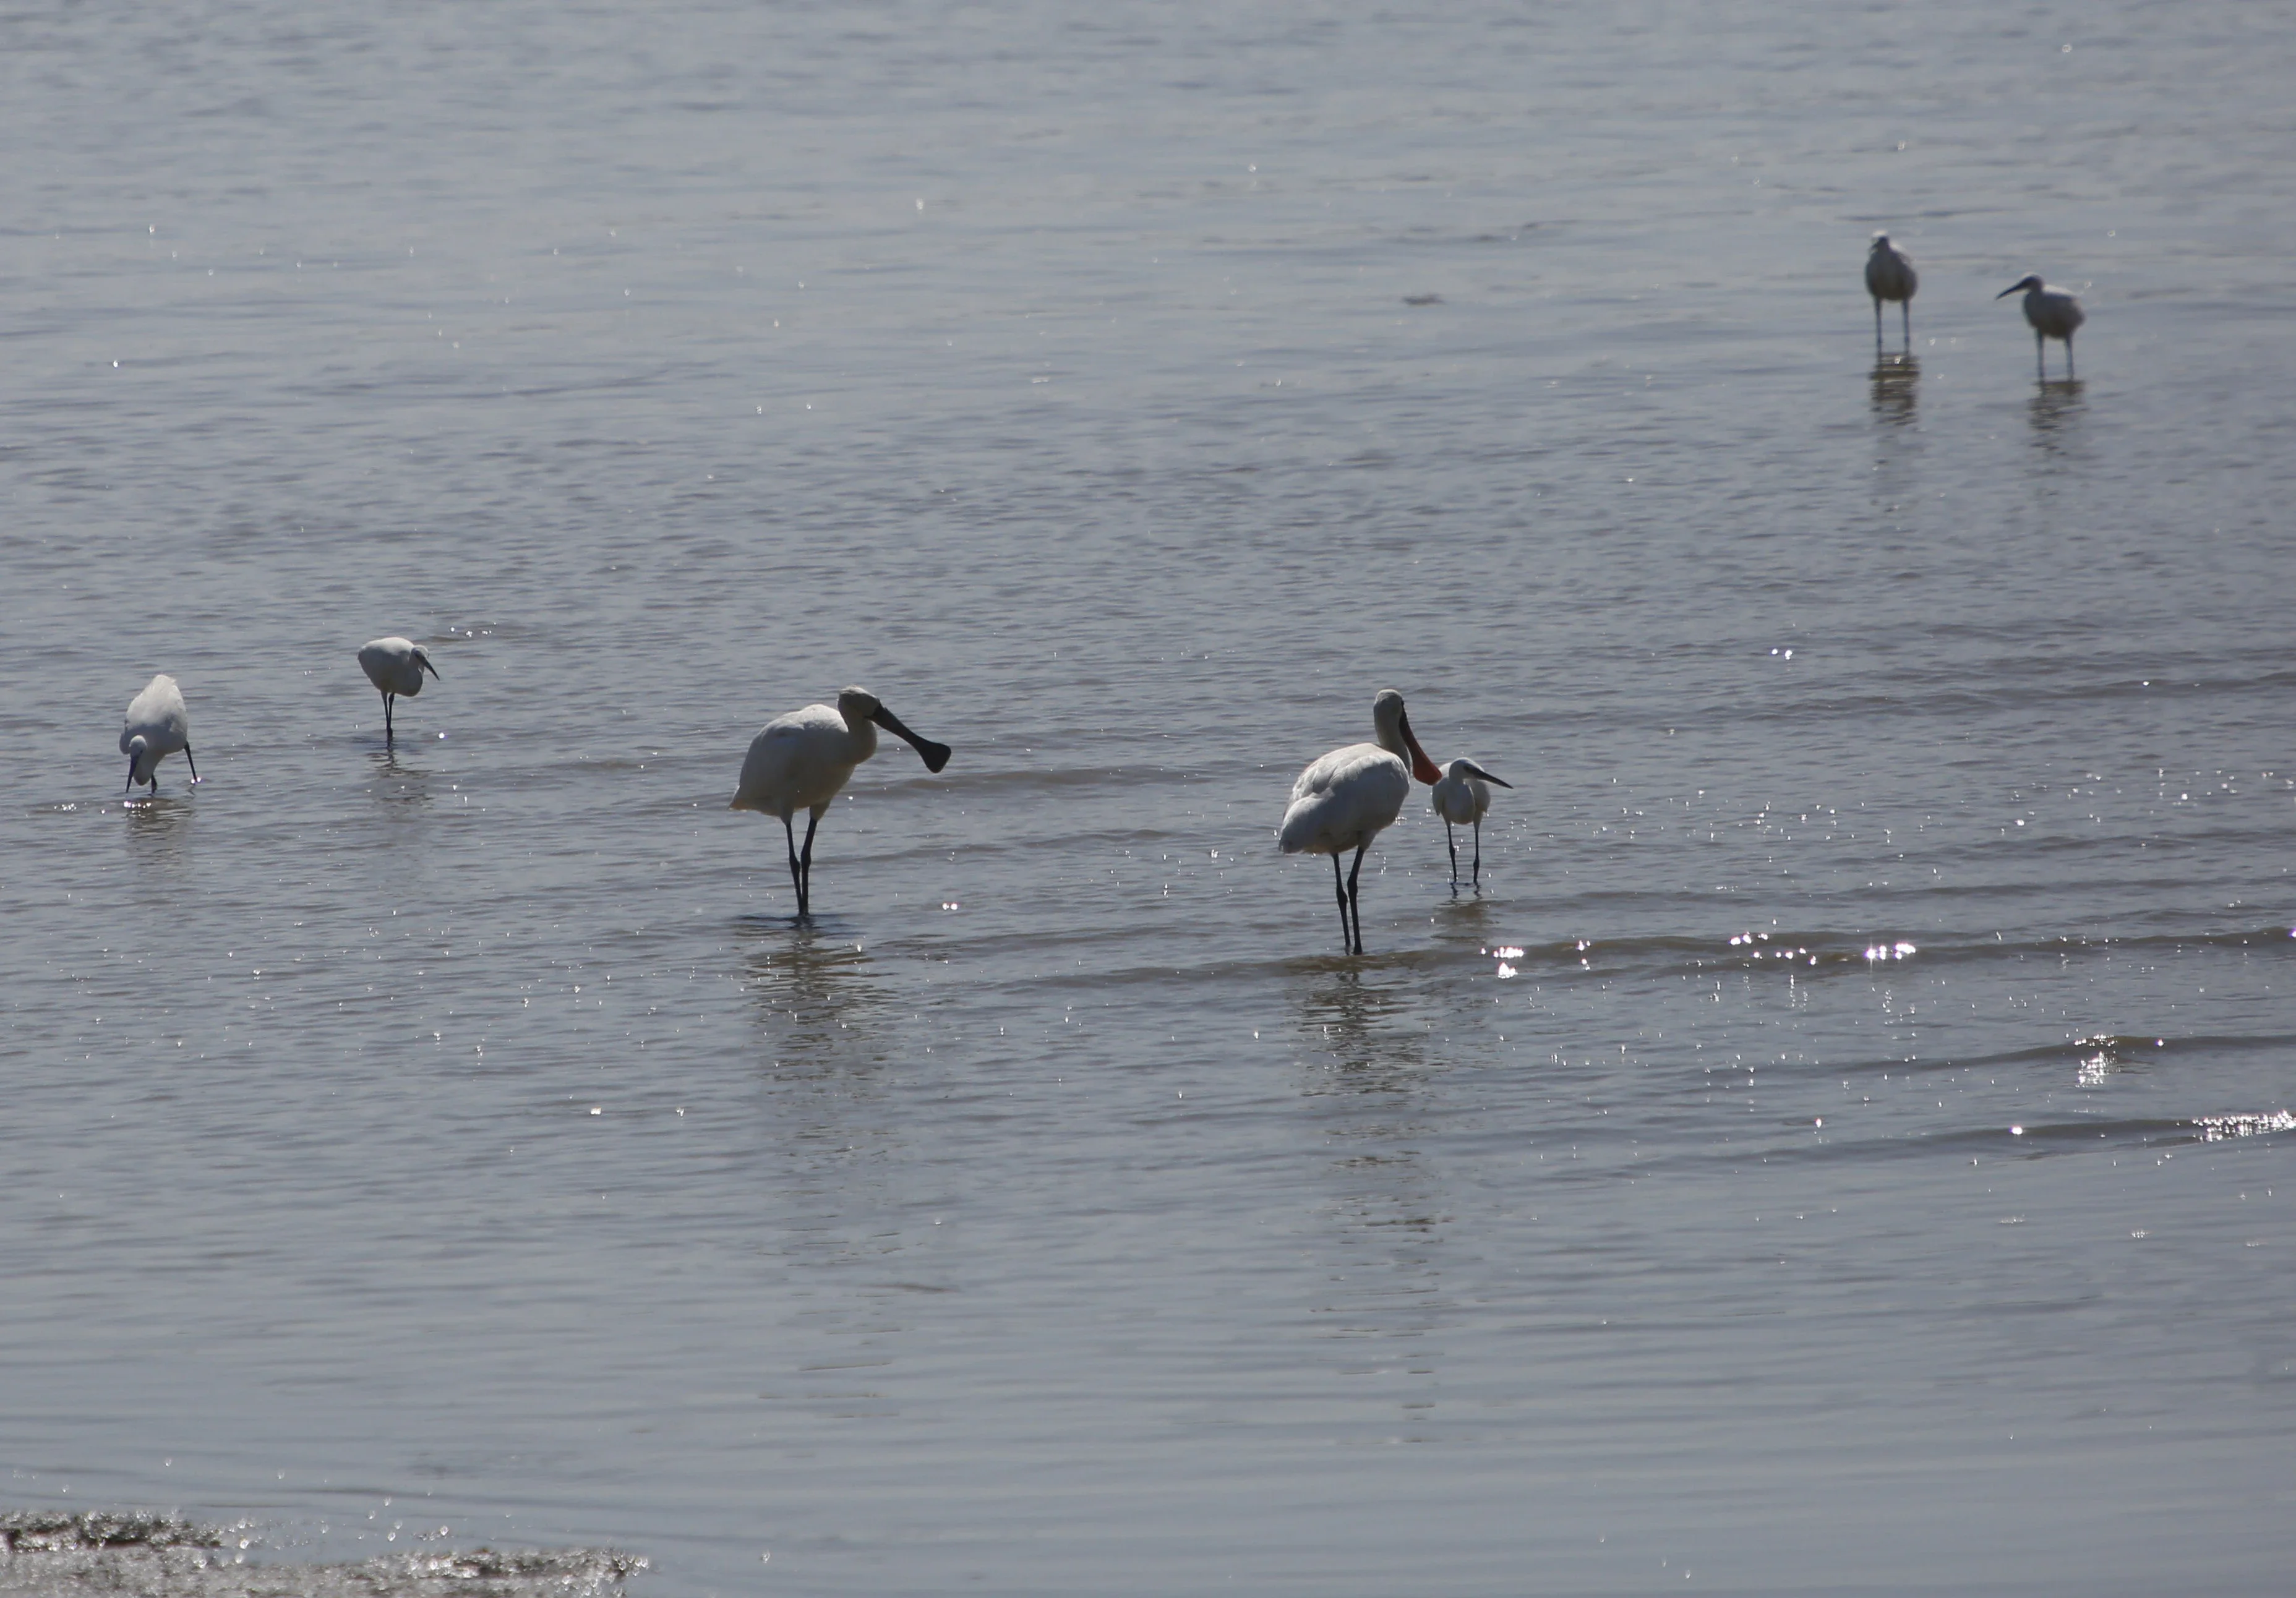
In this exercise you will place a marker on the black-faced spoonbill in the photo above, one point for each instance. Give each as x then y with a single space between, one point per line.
802 760
395 666
1350 796
2053 314
1889 274
1462 798
157 727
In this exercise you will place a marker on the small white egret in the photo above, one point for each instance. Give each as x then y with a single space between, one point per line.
395 666
1462 798
2053 314
157 727
1344 799
801 761
1889 274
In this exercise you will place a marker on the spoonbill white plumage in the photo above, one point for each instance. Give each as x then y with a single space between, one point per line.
2053 314
395 666
1463 798
1344 799
1889 274
801 761
157 727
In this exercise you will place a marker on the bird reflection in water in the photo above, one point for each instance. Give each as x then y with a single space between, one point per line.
1366 1078
1897 385
815 994
2055 412
159 831
400 786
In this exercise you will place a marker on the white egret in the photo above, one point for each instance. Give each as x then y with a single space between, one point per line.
1347 798
1889 274
801 761
395 666
1463 798
157 727
2053 314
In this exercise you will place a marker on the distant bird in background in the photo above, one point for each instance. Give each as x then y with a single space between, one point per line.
158 725
1346 798
801 761
1464 799
2053 314
1889 274
395 667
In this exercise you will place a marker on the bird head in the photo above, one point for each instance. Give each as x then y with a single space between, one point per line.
857 705
2031 279
137 748
1463 768
1394 729
423 662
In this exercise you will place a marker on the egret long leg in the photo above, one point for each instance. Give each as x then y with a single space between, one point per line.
1478 851
1354 899
1450 844
2069 357
1340 888
1907 309
194 763
1877 324
2040 358
386 718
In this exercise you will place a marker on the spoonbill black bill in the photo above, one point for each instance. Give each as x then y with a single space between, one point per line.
1346 798
395 667
2053 314
157 727
802 760
1462 799
1889 274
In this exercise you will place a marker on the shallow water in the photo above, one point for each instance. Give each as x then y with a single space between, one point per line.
1838 1147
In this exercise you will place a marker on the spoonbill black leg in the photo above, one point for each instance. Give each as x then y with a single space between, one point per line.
1340 887
806 860
1355 900
388 735
194 763
797 871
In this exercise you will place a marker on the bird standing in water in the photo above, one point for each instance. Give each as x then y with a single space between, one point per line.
1346 798
395 666
157 727
1889 274
802 760
1463 798
2053 314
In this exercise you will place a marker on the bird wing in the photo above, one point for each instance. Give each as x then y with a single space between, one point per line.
799 760
157 715
1344 797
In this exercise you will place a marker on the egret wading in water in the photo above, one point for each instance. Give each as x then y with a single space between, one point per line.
395 666
801 761
1889 274
1462 798
157 727
1346 798
2053 314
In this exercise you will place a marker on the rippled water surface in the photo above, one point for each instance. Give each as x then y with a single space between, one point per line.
1837 1148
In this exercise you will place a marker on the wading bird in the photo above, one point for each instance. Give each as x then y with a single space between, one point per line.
2053 314
1889 274
395 667
157 728
1347 798
802 760
1462 797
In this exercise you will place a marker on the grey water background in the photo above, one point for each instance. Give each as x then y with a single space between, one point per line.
1839 1149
